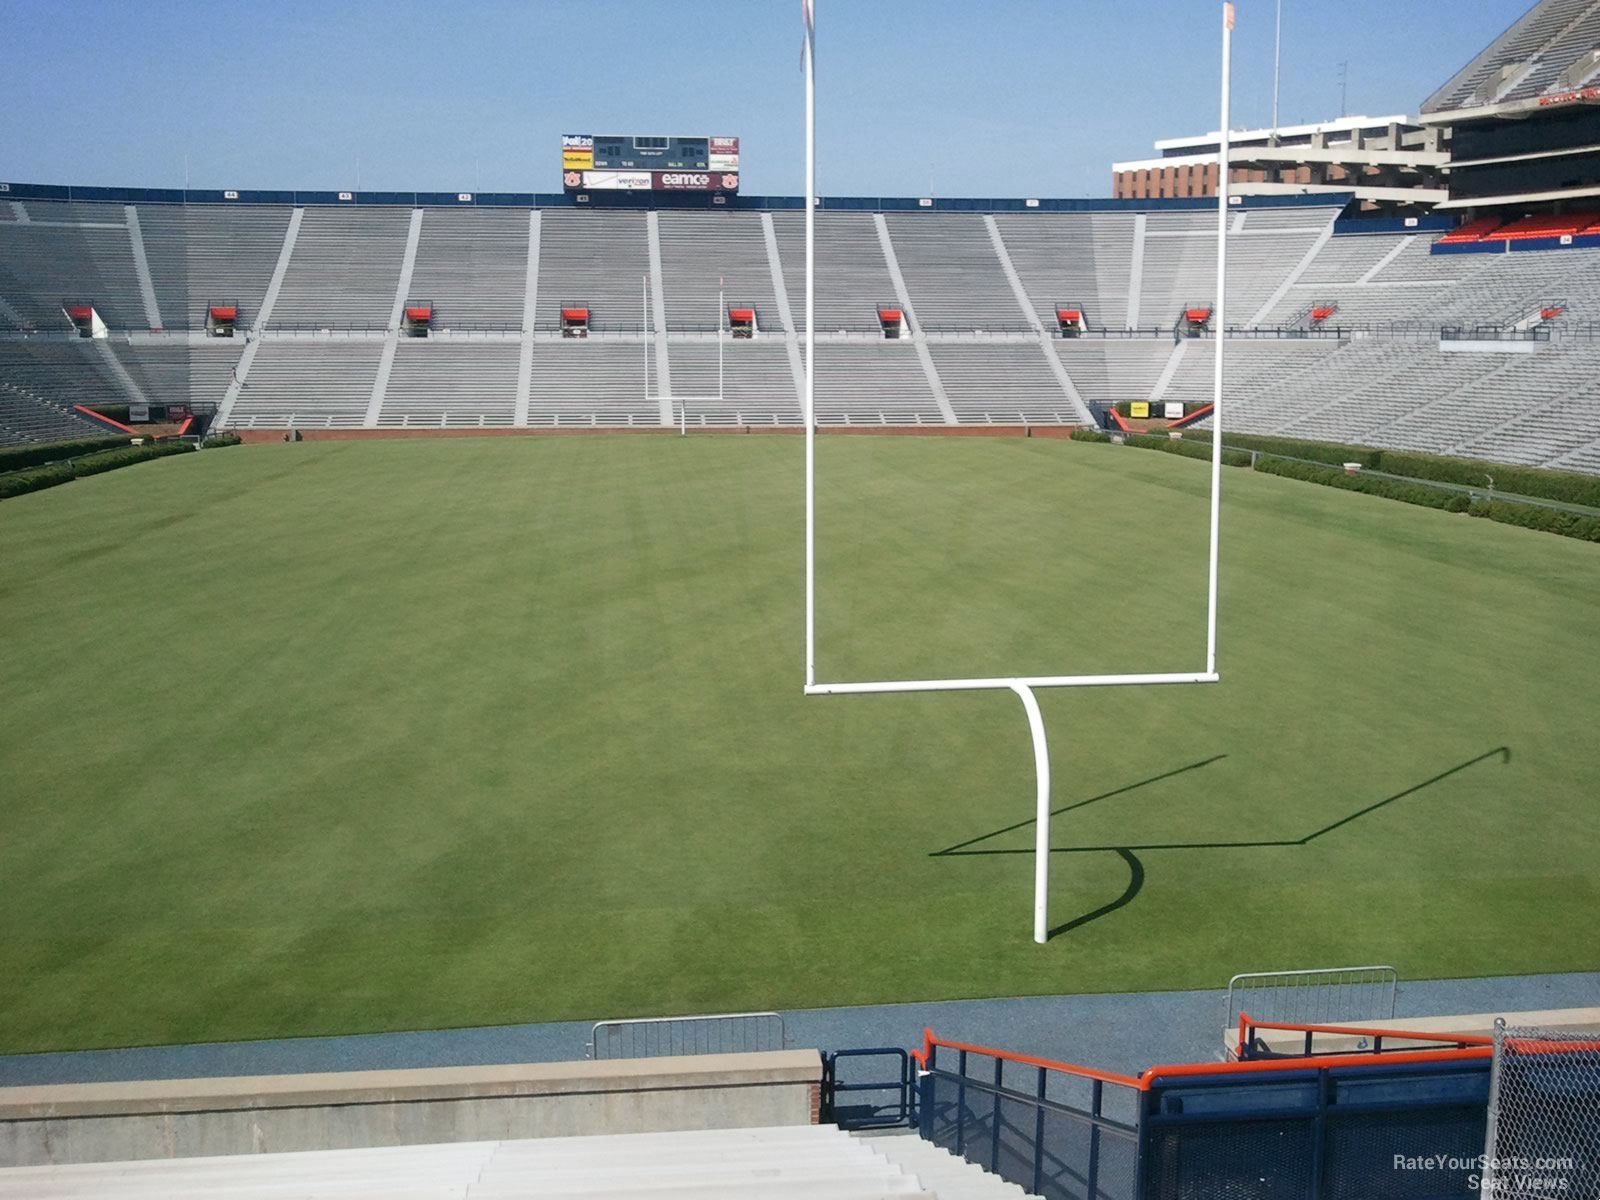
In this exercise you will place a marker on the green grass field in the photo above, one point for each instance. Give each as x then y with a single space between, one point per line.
334 737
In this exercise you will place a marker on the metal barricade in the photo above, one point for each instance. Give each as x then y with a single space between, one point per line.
661 1037
1314 997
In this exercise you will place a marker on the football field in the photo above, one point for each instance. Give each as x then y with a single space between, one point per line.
346 736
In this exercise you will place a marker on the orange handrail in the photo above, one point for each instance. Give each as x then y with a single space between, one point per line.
1480 1049
1411 1035
1049 1064
92 415
1321 1062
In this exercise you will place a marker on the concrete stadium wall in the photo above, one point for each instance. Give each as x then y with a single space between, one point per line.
366 435
111 1122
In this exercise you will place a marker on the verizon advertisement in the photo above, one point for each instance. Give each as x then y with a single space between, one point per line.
609 181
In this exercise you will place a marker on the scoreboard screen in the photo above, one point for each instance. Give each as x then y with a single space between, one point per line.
613 162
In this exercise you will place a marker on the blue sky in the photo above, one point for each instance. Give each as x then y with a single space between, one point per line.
983 98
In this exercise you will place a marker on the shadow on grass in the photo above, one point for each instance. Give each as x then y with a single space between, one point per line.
1136 868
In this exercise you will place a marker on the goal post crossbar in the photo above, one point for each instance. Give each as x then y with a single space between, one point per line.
1005 684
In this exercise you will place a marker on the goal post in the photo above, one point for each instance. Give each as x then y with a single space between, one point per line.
676 398
1022 686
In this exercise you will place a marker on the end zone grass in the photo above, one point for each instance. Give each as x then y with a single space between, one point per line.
334 737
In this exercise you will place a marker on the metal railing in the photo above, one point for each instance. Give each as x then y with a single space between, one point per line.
1052 1129
1346 1038
1493 333
852 1102
662 1037
1318 996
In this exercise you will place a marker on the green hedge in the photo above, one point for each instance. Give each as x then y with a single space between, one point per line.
1327 452
217 440
1090 435
19 482
1371 485
1548 519
1537 482
1187 449
110 460
35 479
17 458
1541 483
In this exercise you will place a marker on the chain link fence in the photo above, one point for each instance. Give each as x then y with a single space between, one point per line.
1544 1114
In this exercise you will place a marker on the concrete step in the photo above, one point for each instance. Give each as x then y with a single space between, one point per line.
803 1163
939 1171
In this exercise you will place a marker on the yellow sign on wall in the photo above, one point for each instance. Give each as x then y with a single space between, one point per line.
1139 410
577 160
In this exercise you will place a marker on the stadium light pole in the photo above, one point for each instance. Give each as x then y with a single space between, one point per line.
809 52
1277 63
1223 171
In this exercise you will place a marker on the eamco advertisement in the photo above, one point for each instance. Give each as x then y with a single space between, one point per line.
620 162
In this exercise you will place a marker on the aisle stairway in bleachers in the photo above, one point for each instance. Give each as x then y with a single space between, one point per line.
345 268
593 381
472 267
757 384
1076 261
64 254
806 1162
952 274
864 382
1001 383
596 259
306 383
852 277
451 383
64 370
201 255
704 254
1111 369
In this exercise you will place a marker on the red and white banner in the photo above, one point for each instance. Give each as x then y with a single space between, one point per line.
723 153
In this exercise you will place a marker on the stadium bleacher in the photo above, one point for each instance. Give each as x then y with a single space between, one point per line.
1528 60
318 290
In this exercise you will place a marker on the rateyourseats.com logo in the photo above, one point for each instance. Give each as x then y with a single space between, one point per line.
1504 1176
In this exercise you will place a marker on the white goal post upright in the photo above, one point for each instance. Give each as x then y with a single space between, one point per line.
1022 686
683 401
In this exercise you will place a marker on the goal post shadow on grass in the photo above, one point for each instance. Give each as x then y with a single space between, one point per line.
1022 686
1129 853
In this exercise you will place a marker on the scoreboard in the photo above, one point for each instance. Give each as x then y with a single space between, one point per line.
612 162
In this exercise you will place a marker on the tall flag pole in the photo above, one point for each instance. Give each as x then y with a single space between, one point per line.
808 15
1223 167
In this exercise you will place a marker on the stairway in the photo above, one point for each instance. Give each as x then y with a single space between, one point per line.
815 1162
939 1172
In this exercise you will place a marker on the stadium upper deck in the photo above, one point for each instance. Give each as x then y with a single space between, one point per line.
1550 52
